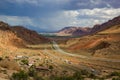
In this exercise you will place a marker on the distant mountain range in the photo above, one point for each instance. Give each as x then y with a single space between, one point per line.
81 31
73 31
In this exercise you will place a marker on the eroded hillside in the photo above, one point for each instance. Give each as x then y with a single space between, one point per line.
8 38
105 42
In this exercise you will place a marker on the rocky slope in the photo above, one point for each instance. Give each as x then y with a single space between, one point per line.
105 41
106 25
29 36
8 37
82 31
17 36
113 29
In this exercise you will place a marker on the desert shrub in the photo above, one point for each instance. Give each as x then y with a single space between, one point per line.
87 74
78 76
115 74
25 61
101 78
1 58
116 79
84 72
64 71
51 67
32 71
22 75
92 76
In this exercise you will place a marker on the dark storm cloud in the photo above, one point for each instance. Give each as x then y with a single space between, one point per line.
55 14
49 7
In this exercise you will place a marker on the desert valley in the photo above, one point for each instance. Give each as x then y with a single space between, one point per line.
94 53
59 39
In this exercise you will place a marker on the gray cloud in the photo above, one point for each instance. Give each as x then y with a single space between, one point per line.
81 17
70 4
90 4
50 15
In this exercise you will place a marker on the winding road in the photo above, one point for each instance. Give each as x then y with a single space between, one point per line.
57 48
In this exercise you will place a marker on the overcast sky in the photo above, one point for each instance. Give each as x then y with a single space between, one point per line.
51 15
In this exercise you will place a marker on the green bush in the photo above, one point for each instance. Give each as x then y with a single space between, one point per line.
25 62
51 67
116 79
115 74
92 76
84 72
78 76
20 76
32 71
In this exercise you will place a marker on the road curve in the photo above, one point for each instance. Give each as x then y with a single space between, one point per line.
57 48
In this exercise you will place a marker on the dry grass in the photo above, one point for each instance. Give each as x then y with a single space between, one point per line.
9 64
114 29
